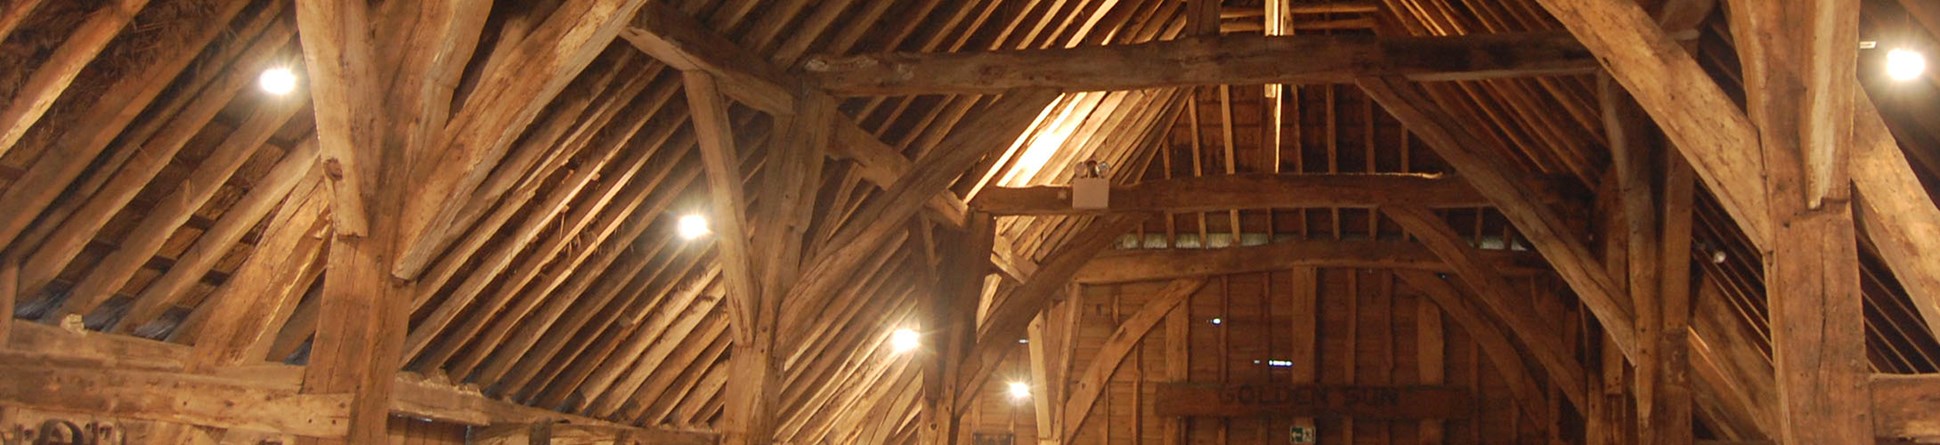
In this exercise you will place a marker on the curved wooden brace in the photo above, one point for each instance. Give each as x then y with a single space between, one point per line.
1548 350
1085 394
1494 343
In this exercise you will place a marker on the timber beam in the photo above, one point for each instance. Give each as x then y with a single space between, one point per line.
670 36
1253 191
1800 87
1010 313
100 369
174 397
1124 266
1543 226
1206 60
1494 291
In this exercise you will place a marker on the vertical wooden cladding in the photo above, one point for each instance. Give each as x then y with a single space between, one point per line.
1371 331
410 431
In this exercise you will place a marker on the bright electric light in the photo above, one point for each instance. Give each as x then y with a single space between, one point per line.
692 227
904 340
1020 391
1218 321
277 81
1905 64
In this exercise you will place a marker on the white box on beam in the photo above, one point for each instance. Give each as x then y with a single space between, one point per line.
1090 193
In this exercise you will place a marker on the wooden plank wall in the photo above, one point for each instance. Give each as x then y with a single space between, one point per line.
411 431
1370 333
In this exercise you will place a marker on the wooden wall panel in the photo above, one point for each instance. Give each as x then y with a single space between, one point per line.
412 431
1369 328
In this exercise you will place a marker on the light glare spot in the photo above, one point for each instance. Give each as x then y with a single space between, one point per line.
1905 64
1020 391
692 227
278 81
904 340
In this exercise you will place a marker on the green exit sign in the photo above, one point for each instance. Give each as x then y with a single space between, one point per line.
1301 434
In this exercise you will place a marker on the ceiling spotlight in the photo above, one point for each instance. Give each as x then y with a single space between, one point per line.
692 227
1019 391
1218 321
904 340
278 81
1905 64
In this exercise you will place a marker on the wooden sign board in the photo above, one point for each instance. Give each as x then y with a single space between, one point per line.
1366 402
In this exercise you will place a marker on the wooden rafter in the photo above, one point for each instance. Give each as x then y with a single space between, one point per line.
1198 61
59 245
293 180
244 317
751 314
161 220
57 73
677 40
1704 125
994 128
104 120
1895 212
548 283
509 97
